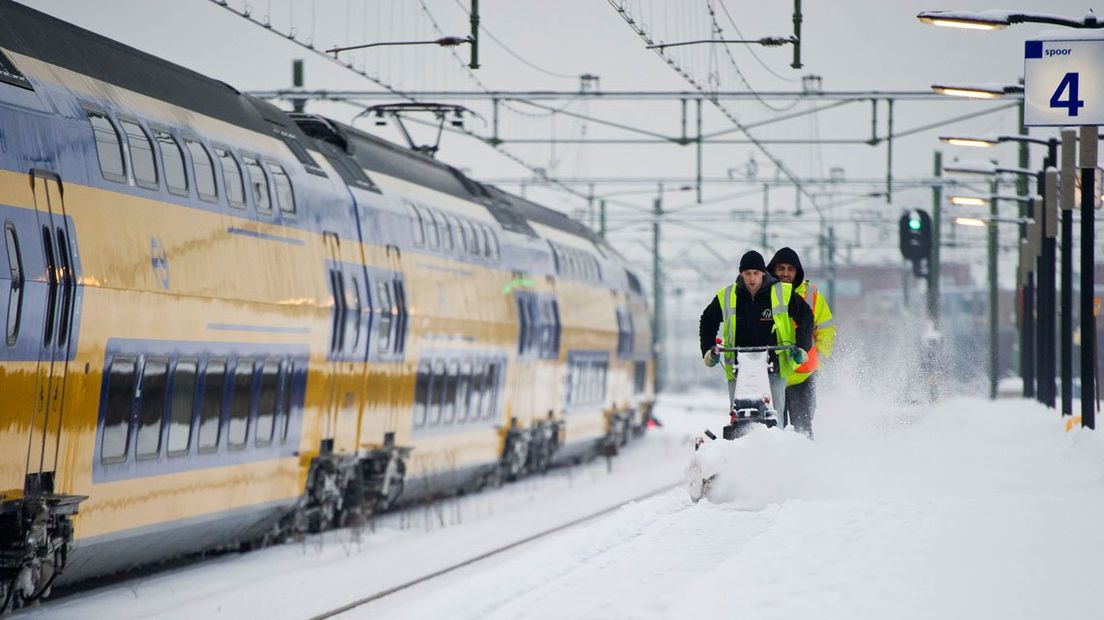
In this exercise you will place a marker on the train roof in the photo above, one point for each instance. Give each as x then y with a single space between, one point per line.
26 31
375 153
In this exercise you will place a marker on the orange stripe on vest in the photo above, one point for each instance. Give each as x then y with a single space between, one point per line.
812 363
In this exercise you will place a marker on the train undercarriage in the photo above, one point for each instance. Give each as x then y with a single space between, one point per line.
35 533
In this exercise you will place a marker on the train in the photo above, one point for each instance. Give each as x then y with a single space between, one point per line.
227 324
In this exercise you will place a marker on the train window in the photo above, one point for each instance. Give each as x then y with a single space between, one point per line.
458 235
496 251
232 178
490 390
141 155
151 406
258 184
450 391
266 401
400 303
15 292
172 160
386 308
462 236
463 391
292 142
490 246
417 225
210 408
241 401
475 243
182 403
286 381
118 405
421 393
285 197
10 74
354 311
109 149
340 311
433 229
357 314
523 323
475 400
554 345
203 170
436 391
634 282
445 224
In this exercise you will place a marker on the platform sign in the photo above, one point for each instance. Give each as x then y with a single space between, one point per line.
1064 82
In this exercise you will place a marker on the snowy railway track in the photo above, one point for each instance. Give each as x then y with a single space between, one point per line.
336 611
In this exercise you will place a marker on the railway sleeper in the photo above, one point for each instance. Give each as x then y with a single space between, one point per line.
35 534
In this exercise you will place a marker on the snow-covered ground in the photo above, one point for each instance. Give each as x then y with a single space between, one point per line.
962 509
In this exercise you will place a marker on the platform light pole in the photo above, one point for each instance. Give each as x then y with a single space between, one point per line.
658 317
1067 180
991 223
997 19
1089 136
1044 284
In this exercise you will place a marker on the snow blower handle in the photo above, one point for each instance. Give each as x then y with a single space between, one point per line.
765 349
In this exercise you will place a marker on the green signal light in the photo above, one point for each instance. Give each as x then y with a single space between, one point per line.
914 223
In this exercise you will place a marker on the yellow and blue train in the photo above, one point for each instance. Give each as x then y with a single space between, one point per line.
224 323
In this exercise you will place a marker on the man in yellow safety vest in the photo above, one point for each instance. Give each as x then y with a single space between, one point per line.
758 310
801 384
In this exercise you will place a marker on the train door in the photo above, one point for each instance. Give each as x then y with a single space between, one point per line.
59 295
348 341
395 289
337 328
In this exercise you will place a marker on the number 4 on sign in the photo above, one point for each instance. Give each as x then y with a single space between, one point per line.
1072 103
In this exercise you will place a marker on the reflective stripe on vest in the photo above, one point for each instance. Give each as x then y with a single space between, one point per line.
776 298
728 325
783 327
813 363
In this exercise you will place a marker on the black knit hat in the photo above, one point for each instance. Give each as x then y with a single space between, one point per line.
752 260
788 256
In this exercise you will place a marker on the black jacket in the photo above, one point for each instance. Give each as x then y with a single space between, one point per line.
754 321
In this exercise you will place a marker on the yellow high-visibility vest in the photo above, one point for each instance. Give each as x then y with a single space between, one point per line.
824 332
784 329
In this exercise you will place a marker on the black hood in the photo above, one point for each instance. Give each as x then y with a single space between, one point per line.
788 256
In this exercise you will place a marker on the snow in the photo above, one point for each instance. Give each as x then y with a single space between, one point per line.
966 508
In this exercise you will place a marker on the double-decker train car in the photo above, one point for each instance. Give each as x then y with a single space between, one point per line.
225 324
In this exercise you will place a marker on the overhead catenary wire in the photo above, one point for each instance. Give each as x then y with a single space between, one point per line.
348 66
775 160
508 50
750 49
736 67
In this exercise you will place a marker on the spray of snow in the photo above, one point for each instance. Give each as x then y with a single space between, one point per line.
872 442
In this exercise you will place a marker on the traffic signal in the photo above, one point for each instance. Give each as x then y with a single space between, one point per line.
916 239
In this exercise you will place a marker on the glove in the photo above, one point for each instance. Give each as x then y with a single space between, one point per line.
800 356
711 357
